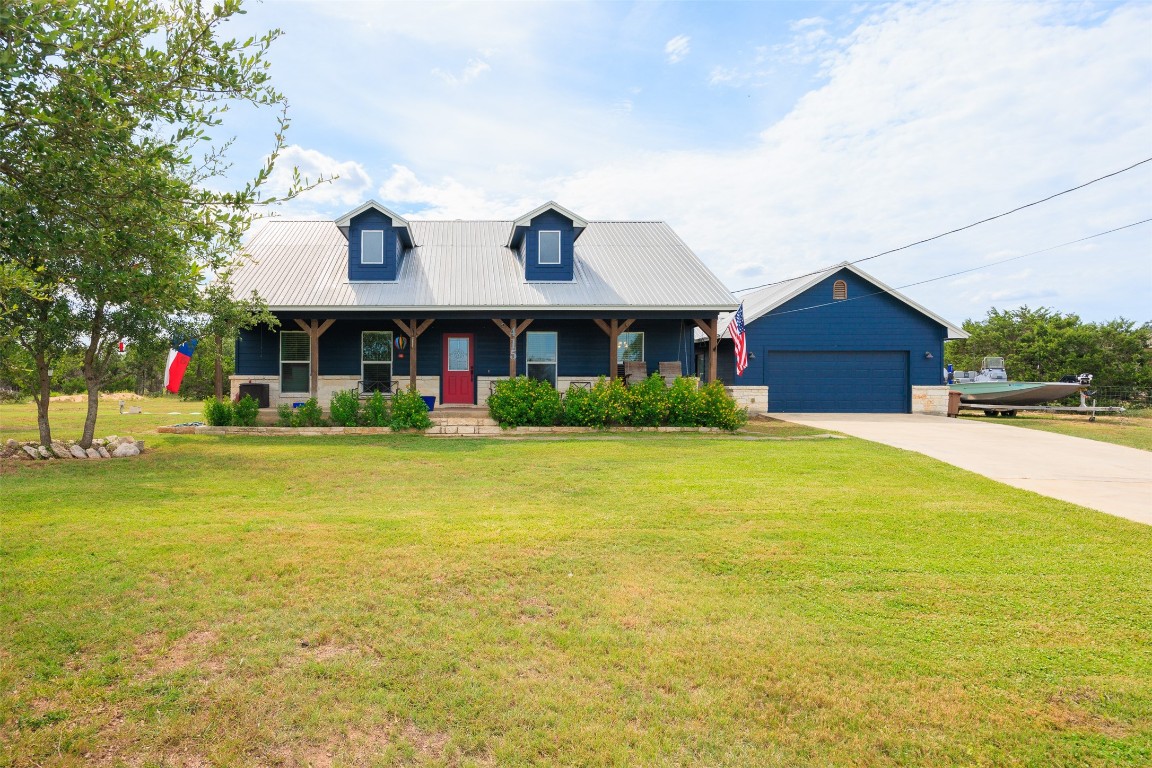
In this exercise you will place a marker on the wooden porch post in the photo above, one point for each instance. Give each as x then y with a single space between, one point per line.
709 327
613 328
412 329
512 330
315 330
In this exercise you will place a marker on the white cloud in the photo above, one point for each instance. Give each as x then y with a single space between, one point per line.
350 189
917 130
677 48
472 70
447 199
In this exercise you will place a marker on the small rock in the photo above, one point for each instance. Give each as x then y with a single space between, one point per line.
44 452
99 442
60 450
140 445
31 452
78 452
93 453
103 452
125 450
127 439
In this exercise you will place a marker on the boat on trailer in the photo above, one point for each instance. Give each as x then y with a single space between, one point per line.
990 391
991 386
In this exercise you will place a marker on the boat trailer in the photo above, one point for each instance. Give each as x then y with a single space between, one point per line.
1007 409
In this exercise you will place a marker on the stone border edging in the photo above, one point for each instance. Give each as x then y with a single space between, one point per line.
321 431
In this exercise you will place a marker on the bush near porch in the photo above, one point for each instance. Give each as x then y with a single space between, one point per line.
525 402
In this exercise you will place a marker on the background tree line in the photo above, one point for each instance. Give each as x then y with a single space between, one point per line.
1045 345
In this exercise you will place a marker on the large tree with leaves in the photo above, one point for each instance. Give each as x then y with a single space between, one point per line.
106 110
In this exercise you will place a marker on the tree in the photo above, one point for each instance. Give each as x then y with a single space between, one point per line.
104 109
1045 345
224 316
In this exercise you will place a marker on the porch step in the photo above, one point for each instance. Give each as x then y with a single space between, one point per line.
460 421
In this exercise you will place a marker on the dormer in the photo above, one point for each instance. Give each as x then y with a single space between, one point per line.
377 239
545 240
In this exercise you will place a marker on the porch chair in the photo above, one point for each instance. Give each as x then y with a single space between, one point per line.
365 388
671 371
635 372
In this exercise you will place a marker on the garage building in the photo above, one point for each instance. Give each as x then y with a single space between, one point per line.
839 341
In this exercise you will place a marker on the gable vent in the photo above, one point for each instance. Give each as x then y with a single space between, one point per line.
839 290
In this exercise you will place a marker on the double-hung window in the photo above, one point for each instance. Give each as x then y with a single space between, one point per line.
372 246
541 361
549 248
295 361
376 360
630 347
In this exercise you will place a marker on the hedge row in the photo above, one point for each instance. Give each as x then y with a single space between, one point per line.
523 401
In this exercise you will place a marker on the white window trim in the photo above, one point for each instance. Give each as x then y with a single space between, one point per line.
620 349
362 259
555 362
391 355
307 361
559 248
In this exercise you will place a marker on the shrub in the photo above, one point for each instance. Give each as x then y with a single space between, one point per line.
344 408
613 402
580 409
245 411
218 413
684 402
523 401
309 415
649 402
409 411
375 412
285 417
717 409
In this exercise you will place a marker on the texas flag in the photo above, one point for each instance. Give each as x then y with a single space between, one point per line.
177 363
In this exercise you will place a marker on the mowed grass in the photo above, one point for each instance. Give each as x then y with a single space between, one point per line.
673 600
1132 428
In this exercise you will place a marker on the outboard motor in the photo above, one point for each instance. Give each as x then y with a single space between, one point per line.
1084 378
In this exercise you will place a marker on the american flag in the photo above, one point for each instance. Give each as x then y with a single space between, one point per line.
736 330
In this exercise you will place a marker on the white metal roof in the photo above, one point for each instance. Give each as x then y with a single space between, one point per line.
761 301
465 265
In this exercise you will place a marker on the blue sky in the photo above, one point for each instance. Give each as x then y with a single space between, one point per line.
775 138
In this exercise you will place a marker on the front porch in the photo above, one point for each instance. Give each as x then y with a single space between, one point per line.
457 359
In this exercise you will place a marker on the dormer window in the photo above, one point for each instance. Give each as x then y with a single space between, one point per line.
546 239
549 252
372 246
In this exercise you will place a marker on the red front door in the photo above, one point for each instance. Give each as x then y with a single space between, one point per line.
458 363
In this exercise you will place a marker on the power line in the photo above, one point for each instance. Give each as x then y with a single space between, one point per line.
961 229
963 271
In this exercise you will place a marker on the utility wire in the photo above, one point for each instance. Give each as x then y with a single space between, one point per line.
961 272
961 229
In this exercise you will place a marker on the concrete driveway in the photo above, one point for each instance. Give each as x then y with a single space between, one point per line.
1110 478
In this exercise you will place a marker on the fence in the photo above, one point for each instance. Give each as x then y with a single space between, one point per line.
1128 397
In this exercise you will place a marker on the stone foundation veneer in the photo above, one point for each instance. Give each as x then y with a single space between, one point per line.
755 399
930 400
484 384
326 386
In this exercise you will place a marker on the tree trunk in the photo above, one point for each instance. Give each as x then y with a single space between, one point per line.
219 368
42 398
91 369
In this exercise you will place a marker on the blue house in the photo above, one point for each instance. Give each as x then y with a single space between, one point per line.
838 341
372 300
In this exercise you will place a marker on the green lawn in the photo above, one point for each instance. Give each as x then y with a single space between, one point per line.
1132 428
658 600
